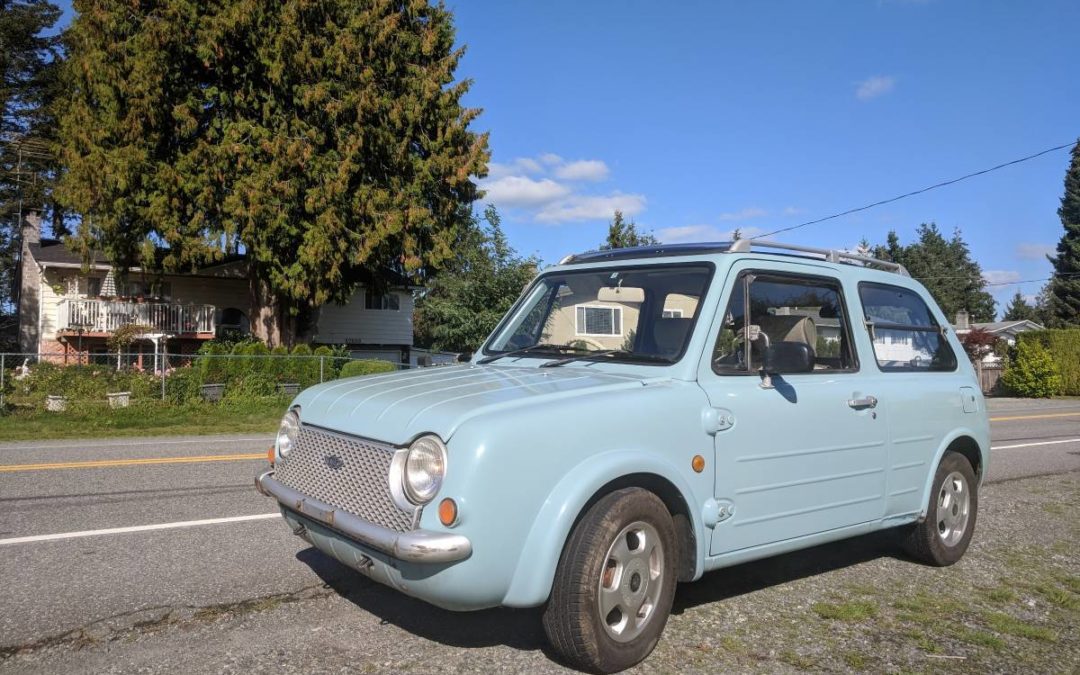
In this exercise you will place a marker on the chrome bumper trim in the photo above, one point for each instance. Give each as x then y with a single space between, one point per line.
419 546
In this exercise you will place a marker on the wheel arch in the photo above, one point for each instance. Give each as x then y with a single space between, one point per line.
580 488
963 441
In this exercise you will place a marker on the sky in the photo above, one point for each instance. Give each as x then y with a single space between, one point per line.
696 118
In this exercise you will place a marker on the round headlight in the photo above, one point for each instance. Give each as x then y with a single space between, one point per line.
425 466
287 432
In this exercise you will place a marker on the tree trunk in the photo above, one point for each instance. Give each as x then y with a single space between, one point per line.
270 320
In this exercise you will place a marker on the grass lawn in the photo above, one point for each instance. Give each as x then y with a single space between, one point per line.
144 419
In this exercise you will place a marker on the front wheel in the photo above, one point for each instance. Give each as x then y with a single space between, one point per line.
615 583
943 536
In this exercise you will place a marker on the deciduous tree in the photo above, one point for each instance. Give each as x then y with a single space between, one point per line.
462 304
325 140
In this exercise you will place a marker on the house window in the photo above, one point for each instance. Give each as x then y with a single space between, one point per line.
382 300
905 334
672 314
93 287
599 320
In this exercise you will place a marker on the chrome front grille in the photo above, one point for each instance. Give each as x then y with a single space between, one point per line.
348 473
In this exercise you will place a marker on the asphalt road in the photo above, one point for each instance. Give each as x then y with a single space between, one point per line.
63 582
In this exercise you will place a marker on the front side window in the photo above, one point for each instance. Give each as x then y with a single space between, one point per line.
784 308
623 313
905 335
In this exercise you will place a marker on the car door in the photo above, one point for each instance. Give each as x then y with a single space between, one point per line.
800 453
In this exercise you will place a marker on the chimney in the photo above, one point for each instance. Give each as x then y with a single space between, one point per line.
31 229
963 321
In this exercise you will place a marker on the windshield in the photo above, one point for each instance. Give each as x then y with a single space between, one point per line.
639 314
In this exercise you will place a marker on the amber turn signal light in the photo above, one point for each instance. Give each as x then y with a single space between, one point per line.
448 512
270 455
698 463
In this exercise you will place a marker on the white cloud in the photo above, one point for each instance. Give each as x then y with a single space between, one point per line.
522 191
875 86
743 214
1035 251
1000 276
591 207
548 189
584 169
793 211
686 233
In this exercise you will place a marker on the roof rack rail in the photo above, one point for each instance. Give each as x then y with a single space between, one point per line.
828 254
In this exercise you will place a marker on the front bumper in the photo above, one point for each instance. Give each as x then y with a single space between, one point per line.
417 546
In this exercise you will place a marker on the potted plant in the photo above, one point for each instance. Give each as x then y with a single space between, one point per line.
212 393
289 388
119 399
54 403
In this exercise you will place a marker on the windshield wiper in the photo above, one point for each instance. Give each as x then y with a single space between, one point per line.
540 346
607 352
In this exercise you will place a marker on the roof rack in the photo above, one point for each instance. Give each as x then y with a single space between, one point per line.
829 254
737 246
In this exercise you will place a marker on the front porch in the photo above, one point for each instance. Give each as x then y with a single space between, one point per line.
78 317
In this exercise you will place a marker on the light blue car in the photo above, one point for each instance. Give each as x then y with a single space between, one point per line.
640 417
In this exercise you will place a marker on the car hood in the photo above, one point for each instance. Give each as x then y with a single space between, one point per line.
397 407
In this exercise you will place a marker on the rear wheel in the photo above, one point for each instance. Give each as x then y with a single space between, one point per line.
944 535
615 583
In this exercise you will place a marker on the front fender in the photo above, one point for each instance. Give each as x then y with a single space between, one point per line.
535 569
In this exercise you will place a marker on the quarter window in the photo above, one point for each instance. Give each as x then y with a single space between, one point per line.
599 320
784 308
905 335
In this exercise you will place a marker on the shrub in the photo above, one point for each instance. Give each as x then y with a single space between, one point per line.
303 369
1032 373
182 385
279 365
252 385
1063 344
366 367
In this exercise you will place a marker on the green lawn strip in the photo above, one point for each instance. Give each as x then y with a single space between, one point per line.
1005 623
145 419
854 610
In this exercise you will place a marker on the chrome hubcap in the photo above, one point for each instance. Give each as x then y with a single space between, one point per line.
631 581
953 508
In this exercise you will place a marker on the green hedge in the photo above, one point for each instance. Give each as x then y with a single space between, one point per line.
366 367
80 383
1063 344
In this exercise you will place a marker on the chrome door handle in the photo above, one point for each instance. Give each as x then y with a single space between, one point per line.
865 402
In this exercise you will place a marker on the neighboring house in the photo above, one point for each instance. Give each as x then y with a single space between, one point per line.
1004 330
69 310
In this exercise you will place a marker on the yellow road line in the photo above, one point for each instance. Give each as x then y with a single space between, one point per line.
1034 417
97 464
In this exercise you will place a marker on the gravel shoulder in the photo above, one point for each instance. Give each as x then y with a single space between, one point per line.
1011 605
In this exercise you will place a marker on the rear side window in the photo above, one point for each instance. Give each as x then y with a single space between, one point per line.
905 334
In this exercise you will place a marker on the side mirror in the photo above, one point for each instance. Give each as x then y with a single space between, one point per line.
788 357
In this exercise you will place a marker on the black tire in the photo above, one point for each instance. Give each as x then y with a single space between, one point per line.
572 618
933 541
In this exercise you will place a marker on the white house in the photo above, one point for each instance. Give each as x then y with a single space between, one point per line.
69 310
1004 330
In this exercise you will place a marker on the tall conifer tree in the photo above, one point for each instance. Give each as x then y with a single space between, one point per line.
326 140
1063 300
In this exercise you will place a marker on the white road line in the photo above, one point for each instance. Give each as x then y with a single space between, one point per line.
136 528
96 443
1030 445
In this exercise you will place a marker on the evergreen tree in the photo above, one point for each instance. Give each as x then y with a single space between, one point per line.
1020 310
622 234
946 268
462 304
28 62
327 141
1064 297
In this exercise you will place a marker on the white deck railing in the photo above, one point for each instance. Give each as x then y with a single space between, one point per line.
105 316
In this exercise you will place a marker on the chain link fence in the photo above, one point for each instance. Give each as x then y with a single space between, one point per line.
54 381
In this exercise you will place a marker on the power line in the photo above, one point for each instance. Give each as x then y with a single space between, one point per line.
1006 283
917 192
